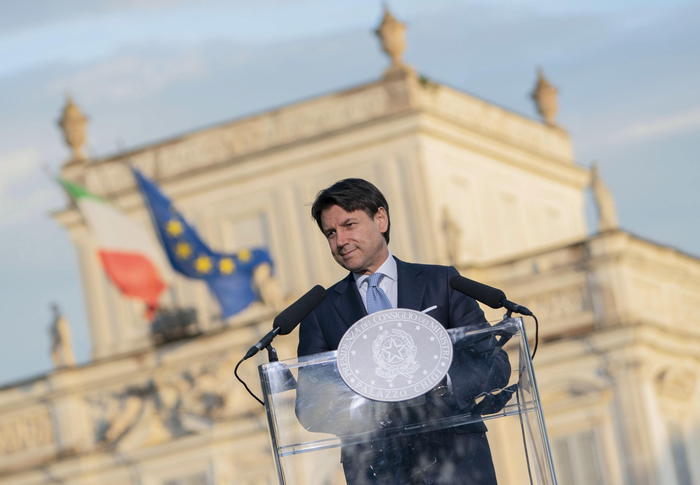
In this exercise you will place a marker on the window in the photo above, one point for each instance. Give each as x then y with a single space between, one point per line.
680 454
577 459
196 479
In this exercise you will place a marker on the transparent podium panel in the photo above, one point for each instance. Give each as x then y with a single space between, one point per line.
482 424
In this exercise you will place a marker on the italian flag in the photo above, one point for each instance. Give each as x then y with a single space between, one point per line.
129 253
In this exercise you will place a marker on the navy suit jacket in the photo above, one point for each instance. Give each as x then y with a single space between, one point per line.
419 286
415 459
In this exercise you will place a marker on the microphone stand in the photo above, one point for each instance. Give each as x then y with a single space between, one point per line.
271 353
508 315
286 380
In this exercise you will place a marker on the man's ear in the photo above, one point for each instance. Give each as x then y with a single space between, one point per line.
381 219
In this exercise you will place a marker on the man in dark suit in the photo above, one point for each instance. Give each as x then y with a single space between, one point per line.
354 217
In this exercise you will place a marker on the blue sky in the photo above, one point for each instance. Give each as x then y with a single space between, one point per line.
145 70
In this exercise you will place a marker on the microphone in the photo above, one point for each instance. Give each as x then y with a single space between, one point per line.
289 318
486 294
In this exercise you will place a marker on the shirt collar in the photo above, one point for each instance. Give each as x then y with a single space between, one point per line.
387 268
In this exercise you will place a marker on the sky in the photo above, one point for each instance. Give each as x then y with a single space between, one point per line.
147 70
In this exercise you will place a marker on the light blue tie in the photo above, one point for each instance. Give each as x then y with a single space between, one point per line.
376 298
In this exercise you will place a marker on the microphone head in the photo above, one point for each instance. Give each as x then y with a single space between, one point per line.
486 294
290 317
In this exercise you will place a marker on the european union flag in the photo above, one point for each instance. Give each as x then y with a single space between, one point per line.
229 276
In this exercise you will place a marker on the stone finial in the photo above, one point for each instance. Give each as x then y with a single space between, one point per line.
392 35
61 344
545 96
604 201
73 123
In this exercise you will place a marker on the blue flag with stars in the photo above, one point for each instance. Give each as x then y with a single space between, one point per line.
229 276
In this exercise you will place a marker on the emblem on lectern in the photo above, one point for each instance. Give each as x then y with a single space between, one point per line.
394 355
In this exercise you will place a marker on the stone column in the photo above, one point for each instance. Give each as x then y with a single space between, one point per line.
639 422
72 424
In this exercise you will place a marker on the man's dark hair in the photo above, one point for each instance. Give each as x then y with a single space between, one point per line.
351 195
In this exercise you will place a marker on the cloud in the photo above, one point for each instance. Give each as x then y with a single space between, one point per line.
23 192
625 129
28 15
663 126
130 76
16 166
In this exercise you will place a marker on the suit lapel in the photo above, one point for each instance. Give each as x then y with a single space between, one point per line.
348 301
411 285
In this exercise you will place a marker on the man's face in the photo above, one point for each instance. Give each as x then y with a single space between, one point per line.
355 238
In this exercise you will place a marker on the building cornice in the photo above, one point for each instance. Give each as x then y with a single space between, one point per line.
317 118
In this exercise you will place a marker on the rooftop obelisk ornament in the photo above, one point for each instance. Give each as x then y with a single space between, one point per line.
392 34
545 97
73 123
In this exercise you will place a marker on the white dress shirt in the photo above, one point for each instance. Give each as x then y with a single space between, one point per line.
389 283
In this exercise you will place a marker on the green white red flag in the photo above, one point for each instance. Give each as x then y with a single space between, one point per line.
130 254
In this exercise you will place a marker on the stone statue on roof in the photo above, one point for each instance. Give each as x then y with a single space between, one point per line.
604 202
268 287
61 343
453 237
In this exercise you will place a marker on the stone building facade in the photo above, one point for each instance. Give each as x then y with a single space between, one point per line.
471 184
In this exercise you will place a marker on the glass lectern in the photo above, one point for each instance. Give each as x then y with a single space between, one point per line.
313 415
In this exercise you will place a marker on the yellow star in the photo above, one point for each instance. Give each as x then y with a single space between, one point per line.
227 266
183 250
174 227
244 255
203 264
